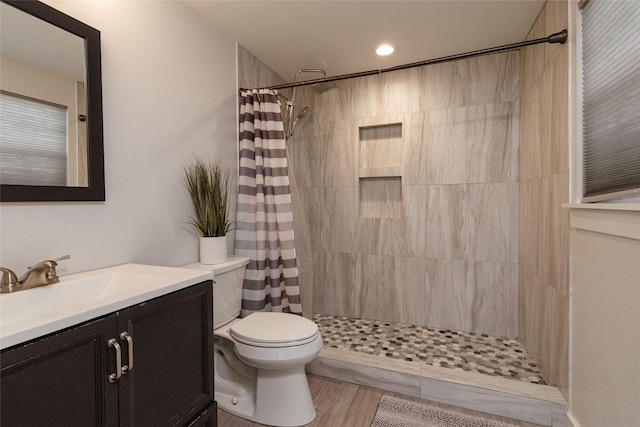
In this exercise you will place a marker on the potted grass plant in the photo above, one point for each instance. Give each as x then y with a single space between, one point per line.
208 185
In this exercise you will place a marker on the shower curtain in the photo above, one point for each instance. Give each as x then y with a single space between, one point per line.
264 220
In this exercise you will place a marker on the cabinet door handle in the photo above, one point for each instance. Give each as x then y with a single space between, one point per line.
125 336
113 377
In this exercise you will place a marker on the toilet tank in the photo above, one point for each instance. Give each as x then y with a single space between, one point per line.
227 288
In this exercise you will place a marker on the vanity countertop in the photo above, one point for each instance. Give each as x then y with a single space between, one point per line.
80 297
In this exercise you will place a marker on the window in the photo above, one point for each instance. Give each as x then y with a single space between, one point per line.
610 59
33 137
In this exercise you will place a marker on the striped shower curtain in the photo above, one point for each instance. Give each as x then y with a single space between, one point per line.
264 222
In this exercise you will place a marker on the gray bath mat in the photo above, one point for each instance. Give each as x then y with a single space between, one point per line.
394 412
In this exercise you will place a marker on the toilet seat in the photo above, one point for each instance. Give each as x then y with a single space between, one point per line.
270 329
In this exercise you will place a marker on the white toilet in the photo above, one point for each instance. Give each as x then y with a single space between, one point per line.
259 360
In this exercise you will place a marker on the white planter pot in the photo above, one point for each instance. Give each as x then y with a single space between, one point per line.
213 250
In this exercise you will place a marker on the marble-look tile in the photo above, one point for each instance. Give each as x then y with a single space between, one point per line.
528 285
445 222
533 58
410 290
372 361
380 146
559 121
374 289
532 211
542 112
542 327
445 139
558 370
306 274
556 19
493 392
406 91
308 220
492 78
488 148
559 415
489 382
338 286
314 367
339 220
513 309
529 164
490 401
253 73
305 153
406 235
371 95
514 222
487 222
445 84
380 198
319 285
556 241
488 298
376 374
414 162
339 154
515 141
445 294
335 104
532 264
371 235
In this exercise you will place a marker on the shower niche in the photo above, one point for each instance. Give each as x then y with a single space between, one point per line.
380 147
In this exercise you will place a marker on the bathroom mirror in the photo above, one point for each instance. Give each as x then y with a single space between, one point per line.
51 68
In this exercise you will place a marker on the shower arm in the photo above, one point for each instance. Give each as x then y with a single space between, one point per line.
560 37
305 70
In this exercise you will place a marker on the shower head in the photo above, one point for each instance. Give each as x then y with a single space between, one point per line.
323 87
302 113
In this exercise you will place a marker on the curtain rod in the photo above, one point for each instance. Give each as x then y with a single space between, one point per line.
560 37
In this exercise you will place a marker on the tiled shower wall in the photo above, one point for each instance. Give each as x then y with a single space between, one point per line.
405 196
544 186
476 236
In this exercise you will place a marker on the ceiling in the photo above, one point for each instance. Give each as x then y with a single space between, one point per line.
341 36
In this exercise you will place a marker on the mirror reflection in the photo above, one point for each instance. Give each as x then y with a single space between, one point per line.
43 135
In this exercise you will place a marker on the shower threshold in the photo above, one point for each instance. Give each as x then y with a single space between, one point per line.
475 371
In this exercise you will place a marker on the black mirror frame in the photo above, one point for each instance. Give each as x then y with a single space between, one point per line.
95 191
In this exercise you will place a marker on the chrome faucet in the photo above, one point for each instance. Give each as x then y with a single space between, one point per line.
40 274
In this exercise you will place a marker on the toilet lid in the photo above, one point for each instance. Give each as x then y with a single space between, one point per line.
273 328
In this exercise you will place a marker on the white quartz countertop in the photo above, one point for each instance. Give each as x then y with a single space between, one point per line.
32 313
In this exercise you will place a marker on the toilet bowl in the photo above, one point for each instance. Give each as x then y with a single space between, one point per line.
259 361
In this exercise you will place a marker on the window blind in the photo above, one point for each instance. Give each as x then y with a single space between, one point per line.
33 137
610 99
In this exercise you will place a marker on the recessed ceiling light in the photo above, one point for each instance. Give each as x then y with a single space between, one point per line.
384 50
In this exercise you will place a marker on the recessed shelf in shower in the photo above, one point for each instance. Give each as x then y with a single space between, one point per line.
380 162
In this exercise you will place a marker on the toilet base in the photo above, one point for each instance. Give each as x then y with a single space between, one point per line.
284 399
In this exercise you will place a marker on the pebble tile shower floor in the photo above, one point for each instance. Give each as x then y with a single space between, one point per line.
505 357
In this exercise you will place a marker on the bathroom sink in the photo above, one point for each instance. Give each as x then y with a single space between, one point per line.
31 313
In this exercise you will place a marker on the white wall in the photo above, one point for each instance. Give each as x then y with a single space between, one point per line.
605 331
168 93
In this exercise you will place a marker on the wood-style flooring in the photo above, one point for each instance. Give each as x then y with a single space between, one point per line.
341 404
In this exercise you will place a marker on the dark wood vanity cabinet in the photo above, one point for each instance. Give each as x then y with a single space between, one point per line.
63 378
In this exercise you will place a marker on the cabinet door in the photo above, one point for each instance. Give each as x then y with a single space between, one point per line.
208 418
60 379
172 377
